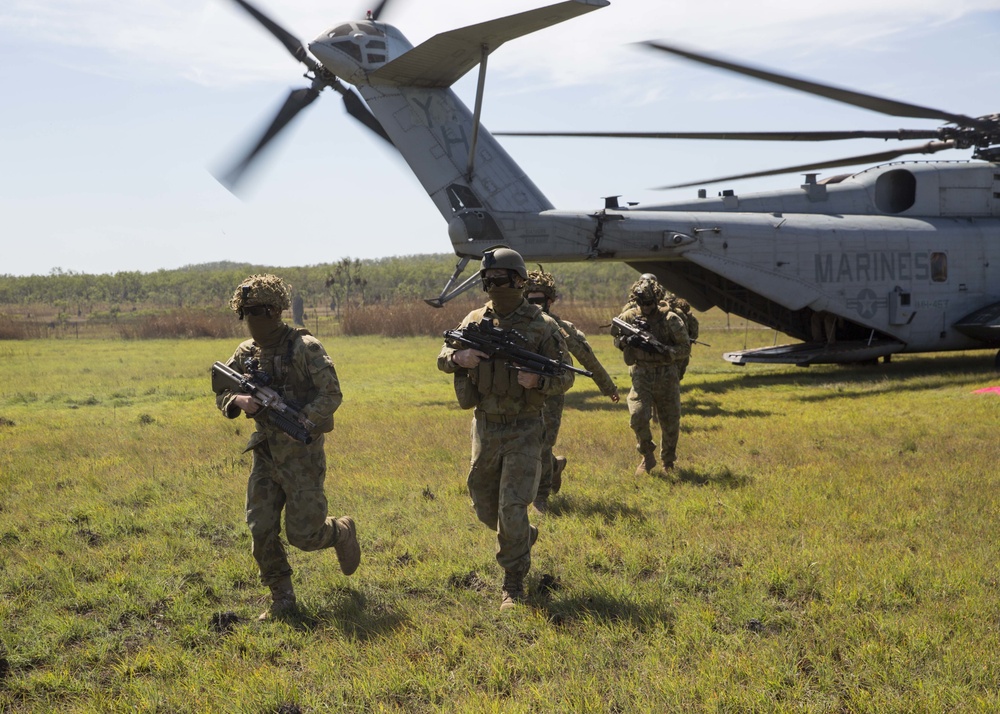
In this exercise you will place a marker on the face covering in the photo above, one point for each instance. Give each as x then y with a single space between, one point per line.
265 331
505 300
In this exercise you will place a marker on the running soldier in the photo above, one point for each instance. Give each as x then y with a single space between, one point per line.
286 474
507 423
541 290
655 372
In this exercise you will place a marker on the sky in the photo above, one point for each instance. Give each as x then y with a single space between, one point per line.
114 115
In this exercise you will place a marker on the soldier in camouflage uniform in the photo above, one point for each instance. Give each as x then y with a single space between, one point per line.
541 290
507 423
683 309
286 474
655 375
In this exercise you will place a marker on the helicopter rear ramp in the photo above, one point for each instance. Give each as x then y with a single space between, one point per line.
804 354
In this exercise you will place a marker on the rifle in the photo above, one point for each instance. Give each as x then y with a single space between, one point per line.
637 336
280 413
498 343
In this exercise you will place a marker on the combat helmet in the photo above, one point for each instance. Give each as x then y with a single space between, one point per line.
541 282
646 292
264 289
504 258
501 257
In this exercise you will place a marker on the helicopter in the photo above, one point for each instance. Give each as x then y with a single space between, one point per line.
901 257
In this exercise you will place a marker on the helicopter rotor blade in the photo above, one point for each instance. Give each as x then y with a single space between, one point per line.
290 41
357 108
379 9
901 134
928 148
846 96
297 100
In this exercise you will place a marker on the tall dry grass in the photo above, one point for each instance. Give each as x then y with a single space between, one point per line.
417 319
180 324
12 328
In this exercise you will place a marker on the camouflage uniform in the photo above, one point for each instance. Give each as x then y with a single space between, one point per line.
655 378
541 282
287 474
507 432
682 308
576 343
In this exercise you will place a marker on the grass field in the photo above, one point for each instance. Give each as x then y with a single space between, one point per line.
828 543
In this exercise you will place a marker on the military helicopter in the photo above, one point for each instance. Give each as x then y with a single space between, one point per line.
892 259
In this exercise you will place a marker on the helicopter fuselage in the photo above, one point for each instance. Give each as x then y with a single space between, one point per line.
902 257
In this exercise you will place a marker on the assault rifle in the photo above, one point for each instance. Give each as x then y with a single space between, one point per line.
500 344
638 336
280 413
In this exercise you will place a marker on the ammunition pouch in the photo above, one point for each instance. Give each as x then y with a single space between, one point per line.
466 391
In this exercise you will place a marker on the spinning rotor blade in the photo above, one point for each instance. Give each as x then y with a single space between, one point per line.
290 41
297 100
357 108
379 9
736 135
928 148
858 99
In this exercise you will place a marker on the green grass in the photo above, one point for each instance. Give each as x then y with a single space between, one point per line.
827 544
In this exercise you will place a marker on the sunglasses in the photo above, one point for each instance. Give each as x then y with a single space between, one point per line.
537 300
497 281
257 310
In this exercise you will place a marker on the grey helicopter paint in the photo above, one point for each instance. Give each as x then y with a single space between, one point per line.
900 257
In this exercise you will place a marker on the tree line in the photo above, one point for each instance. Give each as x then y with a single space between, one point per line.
347 282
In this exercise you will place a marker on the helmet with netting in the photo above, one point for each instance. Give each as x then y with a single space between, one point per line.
646 292
541 282
268 290
503 258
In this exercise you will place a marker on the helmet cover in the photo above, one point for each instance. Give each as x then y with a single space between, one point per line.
264 289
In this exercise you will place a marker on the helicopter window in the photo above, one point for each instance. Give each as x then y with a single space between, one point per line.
348 48
939 267
375 45
376 58
340 31
371 30
895 191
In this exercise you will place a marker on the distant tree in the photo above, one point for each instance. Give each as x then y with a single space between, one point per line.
346 283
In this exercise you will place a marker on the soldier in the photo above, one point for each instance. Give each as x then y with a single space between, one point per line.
286 473
541 290
507 422
655 375
683 309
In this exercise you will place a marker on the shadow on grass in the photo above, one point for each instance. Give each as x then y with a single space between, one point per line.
856 380
608 609
360 616
610 510
722 477
707 408
590 401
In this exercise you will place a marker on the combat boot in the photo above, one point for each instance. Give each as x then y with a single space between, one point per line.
347 546
282 600
647 465
557 469
513 589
